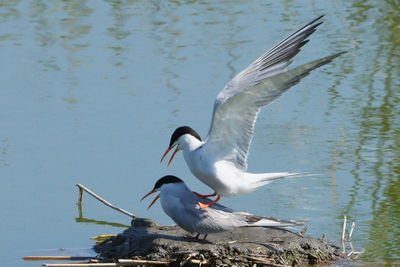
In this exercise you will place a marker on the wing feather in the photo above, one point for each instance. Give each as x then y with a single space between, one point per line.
272 62
237 105
233 121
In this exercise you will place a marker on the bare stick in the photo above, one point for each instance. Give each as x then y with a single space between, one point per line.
142 261
199 262
80 195
189 257
353 225
303 231
352 249
56 258
264 260
111 264
105 202
344 227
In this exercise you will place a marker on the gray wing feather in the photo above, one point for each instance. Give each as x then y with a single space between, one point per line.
272 62
237 105
219 218
255 221
234 120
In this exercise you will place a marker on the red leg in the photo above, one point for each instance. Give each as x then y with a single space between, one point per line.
205 196
206 205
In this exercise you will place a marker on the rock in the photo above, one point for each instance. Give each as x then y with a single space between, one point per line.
240 247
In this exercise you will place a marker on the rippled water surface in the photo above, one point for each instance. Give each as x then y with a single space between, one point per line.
92 90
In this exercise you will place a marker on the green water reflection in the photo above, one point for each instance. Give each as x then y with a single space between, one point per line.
377 141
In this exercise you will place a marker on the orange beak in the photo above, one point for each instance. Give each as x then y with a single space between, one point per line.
154 200
173 154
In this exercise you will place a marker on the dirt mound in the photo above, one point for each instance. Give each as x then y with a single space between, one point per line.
243 246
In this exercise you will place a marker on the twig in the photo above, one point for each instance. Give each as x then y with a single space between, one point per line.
105 202
344 228
283 261
56 258
111 264
144 262
263 260
353 225
303 231
80 194
355 254
199 262
352 249
189 257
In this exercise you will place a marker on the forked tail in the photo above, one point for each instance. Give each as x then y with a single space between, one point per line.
268 222
260 179
256 221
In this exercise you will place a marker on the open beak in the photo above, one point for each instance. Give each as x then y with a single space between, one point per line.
173 154
154 200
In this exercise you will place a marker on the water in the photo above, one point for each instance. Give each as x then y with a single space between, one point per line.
92 90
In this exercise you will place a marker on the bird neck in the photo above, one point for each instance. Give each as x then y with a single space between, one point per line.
178 190
190 143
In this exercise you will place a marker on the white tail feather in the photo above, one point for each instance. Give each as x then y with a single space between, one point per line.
271 222
260 179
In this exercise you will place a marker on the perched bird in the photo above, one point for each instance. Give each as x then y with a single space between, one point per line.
180 203
220 161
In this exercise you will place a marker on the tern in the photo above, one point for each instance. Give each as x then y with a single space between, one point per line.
180 204
220 161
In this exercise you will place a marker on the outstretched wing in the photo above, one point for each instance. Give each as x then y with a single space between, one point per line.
237 105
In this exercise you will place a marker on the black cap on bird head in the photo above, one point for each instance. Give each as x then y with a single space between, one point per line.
175 136
182 131
168 179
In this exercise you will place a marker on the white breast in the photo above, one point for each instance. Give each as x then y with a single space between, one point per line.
221 175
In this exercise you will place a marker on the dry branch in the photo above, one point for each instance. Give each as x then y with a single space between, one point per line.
56 258
344 228
353 226
125 262
105 202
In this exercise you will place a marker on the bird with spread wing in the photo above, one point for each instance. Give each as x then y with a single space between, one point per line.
220 160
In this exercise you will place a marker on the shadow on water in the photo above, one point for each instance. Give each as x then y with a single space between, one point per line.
376 158
82 219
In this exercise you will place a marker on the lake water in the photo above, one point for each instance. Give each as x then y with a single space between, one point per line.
92 90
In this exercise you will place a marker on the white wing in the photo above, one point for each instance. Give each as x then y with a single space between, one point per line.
237 105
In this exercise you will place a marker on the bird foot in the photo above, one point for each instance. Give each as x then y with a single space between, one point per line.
209 204
204 205
198 236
